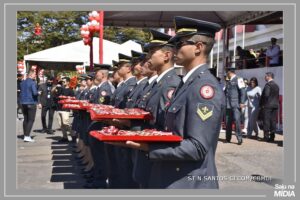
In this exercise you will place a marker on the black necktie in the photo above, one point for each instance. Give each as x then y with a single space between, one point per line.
146 85
178 87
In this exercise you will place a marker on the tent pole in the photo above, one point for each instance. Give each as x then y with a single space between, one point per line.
234 45
218 53
101 37
225 53
91 55
244 36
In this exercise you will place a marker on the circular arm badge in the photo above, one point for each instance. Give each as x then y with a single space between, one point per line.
103 93
207 92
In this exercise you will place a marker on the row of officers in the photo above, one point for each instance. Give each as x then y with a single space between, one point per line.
191 106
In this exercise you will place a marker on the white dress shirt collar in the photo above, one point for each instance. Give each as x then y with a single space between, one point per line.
100 84
129 78
185 78
138 82
119 84
162 74
152 79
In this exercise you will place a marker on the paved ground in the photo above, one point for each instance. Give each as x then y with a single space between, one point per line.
47 164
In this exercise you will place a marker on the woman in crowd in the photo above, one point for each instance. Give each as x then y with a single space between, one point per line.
253 97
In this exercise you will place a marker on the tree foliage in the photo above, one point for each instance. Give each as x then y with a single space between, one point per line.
57 28
60 28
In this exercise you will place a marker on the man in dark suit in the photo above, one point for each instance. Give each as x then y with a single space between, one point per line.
235 99
47 104
19 80
269 102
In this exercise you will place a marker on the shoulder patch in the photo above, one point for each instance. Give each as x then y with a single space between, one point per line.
101 99
207 92
103 93
205 111
170 93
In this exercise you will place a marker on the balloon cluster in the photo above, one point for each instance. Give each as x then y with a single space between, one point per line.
80 69
87 30
20 66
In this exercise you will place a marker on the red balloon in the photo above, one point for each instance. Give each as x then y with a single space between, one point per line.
91 28
97 18
85 36
91 18
97 28
84 28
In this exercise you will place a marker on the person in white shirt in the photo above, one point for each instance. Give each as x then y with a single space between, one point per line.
273 53
244 111
253 97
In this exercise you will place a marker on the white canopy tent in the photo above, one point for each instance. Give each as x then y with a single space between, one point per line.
75 53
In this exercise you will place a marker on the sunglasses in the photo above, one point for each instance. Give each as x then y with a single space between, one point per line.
180 44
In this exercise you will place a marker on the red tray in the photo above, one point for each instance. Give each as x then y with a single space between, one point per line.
70 101
66 97
66 106
120 138
86 106
95 116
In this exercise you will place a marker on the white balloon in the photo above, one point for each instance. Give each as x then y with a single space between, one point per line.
94 22
88 24
95 13
90 14
82 32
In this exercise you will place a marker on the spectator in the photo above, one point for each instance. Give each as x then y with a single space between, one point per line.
269 103
47 104
273 53
235 98
244 111
19 107
262 57
245 58
252 52
28 99
253 94
64 114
